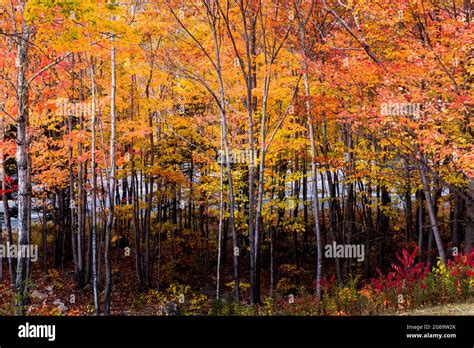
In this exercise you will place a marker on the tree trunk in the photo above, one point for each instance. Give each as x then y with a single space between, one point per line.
6 208
432 214
94 196
223 115
314 171
469 234
21 289
111 186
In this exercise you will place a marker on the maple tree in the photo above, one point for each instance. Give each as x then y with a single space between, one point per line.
234 140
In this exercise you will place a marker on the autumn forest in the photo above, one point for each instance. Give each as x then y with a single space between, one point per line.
235 157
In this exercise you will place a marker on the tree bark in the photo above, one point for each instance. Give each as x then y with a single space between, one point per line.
431 213
21 289
94 194
111 186
314 170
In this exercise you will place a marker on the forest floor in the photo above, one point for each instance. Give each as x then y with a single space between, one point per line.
51 288
55 293
446 309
